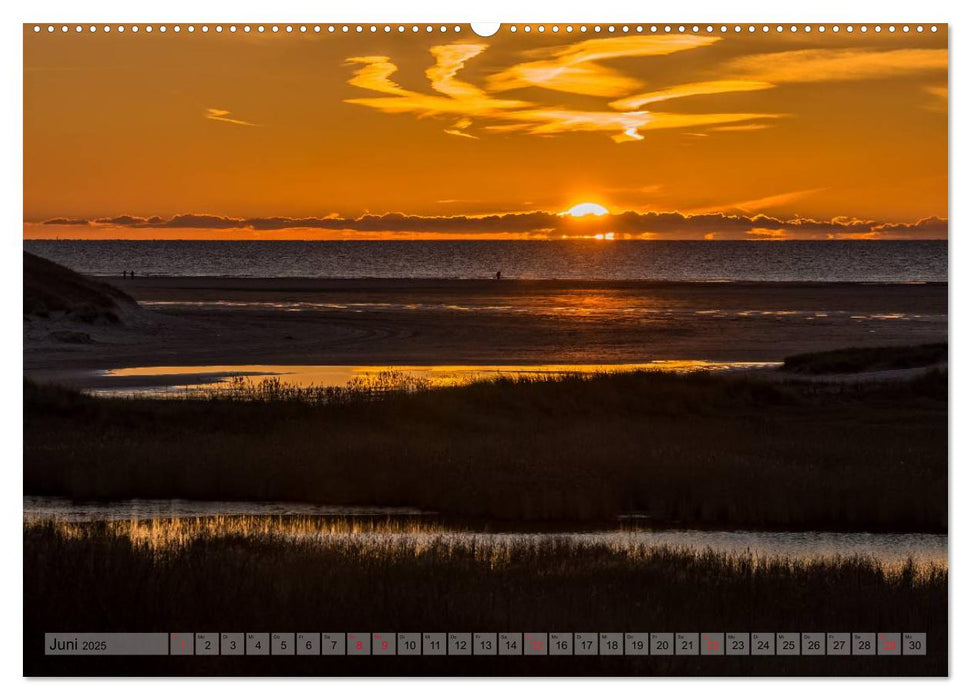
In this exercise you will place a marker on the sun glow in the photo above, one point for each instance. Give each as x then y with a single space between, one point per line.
587 208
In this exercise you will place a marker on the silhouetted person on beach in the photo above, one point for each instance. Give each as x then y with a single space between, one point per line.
133 274
124 274
499 275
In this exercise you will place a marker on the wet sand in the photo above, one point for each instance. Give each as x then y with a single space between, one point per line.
203 321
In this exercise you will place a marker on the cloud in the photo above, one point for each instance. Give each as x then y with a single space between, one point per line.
939 93
126 220
577 68
580 69
650 224
222 115
455 97
68 222
741 127
760 204
626 126
449 60
827 65
458 129
375 74
711 87
931 227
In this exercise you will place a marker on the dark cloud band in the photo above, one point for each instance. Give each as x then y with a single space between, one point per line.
630 223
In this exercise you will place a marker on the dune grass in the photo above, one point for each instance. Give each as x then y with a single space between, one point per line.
119 577
853 360
50 288
699 449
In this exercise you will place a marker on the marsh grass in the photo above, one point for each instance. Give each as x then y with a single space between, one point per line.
359 389
112 576
694 450
410 536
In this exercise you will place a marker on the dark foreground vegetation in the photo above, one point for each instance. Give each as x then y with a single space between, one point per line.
96 577
853 360
699 450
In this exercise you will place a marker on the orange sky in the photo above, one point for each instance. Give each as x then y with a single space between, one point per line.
422 135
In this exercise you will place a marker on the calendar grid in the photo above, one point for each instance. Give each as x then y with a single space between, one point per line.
487 644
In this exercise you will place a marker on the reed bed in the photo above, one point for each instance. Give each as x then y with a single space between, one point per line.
414 536
690 450
143 577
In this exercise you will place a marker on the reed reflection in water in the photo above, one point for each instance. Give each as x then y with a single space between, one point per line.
381 537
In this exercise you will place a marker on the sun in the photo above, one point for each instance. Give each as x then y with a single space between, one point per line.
586 209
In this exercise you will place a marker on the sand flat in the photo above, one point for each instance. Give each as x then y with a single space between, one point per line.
218 320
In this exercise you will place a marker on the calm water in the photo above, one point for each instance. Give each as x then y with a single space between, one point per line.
890 549
44 508
823 261
179 380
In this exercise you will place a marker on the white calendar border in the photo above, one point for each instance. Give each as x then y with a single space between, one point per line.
390 11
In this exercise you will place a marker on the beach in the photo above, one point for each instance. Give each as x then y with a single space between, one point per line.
219 320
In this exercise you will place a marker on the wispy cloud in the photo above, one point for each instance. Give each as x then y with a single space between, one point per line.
454 96
375 74
828 65
575 68
449 60
625 125
458 129
222 115
741 127
581 69
760 204
711 87
578 68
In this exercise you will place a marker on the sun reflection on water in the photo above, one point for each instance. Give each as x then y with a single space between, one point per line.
204 379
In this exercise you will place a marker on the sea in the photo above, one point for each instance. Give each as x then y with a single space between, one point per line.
704 261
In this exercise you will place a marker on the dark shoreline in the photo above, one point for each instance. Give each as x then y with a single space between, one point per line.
507 283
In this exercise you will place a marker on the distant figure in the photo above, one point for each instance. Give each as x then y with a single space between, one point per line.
124 274
499 275
133 274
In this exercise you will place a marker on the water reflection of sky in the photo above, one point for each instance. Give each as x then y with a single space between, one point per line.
600 305
399 527
166 381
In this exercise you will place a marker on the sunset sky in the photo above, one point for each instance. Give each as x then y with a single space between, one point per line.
791 135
